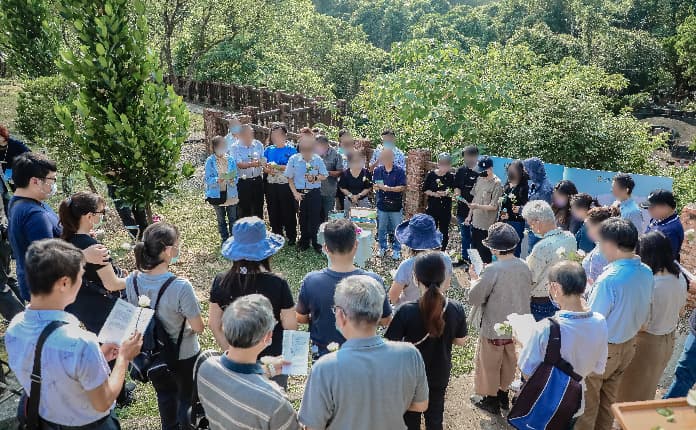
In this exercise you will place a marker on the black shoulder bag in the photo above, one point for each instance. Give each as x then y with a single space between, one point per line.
196 413
29 405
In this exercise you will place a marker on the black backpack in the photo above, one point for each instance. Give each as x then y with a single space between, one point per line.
159 352
196 413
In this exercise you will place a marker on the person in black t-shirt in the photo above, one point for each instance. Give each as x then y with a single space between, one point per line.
250 249
438 186
355 184
515 196
433 324
80 215
464 181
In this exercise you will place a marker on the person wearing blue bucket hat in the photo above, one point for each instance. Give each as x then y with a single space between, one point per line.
250 249
419 234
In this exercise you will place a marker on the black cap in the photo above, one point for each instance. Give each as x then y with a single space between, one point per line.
484 163
660 197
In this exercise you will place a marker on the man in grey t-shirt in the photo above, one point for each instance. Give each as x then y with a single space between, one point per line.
334 164
369 383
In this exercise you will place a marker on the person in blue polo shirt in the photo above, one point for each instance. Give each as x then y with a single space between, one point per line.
622 188
282 209
390 184
663 213
305 171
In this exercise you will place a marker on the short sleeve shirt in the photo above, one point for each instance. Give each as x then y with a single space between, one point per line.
269 285
298 168
434 182
71 365
464 180
333 161
355 185
177 304
404 276
485 192
394 178
316 299
246 154
279 157
408 326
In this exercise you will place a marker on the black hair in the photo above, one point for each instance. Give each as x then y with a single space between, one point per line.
570 276
620 232
343 132
429 270
522 175
583 201
49 260
602 213
31 165
562 214
470 150
233 278
655 250
72 209
279 126
217 141
624 180
322 139
156 238
388 132
340 236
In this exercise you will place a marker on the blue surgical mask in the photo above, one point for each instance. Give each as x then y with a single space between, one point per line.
235 129
553 302
494 258
175 259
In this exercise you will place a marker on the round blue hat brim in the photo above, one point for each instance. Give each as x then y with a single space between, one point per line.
405 236
258 251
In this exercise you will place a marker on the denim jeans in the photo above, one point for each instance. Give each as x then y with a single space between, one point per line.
174 394
387 223
465 231
685 373
226 216
328 203
519 228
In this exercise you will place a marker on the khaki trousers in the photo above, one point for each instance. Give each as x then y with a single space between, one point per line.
640 379
602 390
495 367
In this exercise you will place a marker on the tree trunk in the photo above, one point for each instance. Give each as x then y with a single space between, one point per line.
148 212
90 183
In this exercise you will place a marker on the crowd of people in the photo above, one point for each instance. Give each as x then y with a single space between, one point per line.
608 278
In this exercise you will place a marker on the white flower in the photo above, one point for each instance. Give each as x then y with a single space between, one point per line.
144 301
691 398
503 329
561 252
267 359
244 176
127 246
581 253
333 346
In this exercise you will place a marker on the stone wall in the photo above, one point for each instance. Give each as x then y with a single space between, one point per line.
688 252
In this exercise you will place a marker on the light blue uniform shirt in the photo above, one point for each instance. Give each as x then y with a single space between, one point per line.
230 140
71 365
623 293
247 154
297 169
630 211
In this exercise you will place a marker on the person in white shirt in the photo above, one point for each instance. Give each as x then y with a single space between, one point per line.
583 333
655 341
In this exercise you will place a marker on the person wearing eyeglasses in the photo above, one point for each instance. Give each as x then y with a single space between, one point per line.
31 219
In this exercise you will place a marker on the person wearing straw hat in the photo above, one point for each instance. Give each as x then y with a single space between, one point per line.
419 234
503 288
250 249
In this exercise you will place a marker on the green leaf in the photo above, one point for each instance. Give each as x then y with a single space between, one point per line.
665 412
100 49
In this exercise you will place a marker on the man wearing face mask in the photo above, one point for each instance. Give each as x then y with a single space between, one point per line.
484 206
388 138
334 166
232 137
464 181
31 219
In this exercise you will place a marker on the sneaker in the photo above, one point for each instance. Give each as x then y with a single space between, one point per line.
381 252
489 404
504 400
396 255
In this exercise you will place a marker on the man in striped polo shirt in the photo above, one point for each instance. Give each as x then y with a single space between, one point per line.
234 391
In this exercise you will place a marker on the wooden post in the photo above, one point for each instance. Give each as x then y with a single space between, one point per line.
416 168
214 124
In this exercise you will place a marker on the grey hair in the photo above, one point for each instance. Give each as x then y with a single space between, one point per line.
361 298
538 211
247 320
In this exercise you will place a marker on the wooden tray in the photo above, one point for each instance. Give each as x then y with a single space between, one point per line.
644 416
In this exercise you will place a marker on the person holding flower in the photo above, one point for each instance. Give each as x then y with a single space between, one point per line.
501 289
221 186
433 324
248 154
484 206
281 205
305 171
355 184
515 196
438 186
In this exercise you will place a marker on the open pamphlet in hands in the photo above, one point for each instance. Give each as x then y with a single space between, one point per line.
295 350
476 260
123 321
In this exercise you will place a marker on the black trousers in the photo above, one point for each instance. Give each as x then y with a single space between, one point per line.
310 218
442 213
477 237
282 210
174 394
132 217
250 197
10 304
110 422
433 415
339 199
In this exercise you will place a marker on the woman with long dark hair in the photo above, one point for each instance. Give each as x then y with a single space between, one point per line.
580 205
179 313
563 192
433 324
655 341
250 250
515 196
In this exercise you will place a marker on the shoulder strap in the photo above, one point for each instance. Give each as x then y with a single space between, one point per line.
199 362
553 351
35 390
164 287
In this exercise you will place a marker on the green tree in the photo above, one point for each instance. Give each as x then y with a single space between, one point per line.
685 45
131 127
29 36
